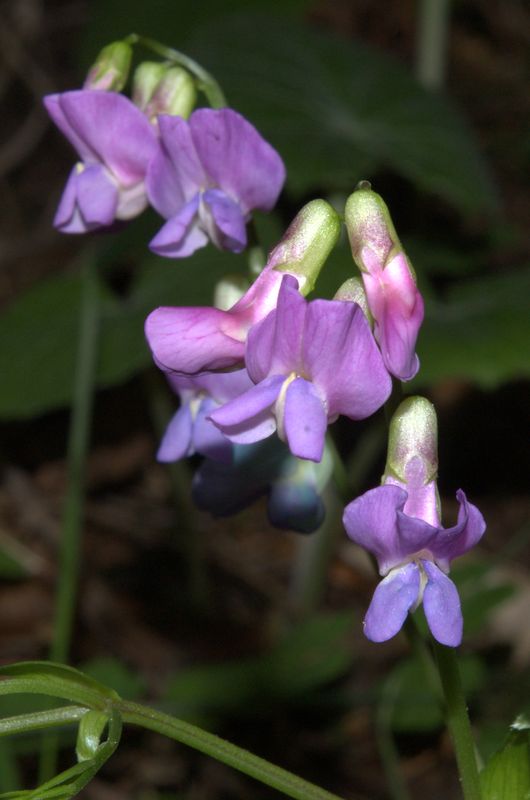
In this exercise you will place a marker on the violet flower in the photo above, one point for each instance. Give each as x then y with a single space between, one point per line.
190 430
399 523
191 340
310 362
211 171
292 486
115 143
393 297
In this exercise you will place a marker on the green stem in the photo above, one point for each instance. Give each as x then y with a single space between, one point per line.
458 721
431 55
189 539
211 745
26 723
205 82
78 439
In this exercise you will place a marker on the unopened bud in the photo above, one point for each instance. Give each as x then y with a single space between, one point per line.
413 440
370 229
110 70
229 290
352 290
147 76
174 94
307 243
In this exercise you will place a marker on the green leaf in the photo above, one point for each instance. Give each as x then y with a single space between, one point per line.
337 110
55 680
506 776
480 333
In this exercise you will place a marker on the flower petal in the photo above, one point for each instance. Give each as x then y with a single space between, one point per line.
456 541
109 129
393 598
370 521
176 442
441 604
414 534
224 221
181 235
295 506
342 358
207 439
237 158
97 196
191 340
304 420
397 307
274 345
249 418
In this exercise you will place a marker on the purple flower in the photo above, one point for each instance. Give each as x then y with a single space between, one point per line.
393 297
115 143
413 557
190 431
310 362
191 340
211 171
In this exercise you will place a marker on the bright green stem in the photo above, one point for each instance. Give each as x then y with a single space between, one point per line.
458 721
40 720
211 745
431 55
78 439
205 82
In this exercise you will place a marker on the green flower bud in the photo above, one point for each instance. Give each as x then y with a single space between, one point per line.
307 243
353 291
369 225
174 94
147 76
413 434
110 70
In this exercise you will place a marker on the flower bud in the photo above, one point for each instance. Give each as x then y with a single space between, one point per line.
229 291
412 458
110 70
389 280
352 290
307 243
147 76
174 94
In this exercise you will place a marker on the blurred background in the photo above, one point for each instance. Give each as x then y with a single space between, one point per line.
207 618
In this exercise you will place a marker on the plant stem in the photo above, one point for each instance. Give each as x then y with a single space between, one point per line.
431 51
458 721
38 720
206 82
78 439
189 539
211 745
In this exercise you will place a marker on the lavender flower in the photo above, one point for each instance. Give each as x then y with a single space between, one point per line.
190 430
310 362
211 171
393 297
191 340
399 523
115 143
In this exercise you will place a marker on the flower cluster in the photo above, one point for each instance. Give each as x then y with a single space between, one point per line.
260 380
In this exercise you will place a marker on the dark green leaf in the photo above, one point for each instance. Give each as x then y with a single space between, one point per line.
337 110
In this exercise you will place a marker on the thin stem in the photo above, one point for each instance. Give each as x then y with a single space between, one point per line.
78 439
431 51
205 82
38 720
211 745
458 721
189 539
